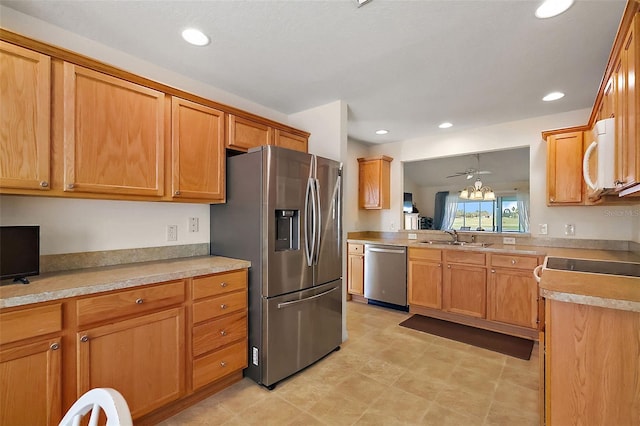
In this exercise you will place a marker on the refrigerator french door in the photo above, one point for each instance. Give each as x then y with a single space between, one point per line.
283 213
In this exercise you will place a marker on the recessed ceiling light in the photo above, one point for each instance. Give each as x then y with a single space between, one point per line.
381 132
551 8
195 37
445 125
553 96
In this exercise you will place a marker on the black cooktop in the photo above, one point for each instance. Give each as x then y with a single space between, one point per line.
627 269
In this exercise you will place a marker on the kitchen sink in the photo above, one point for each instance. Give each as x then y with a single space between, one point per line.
455 243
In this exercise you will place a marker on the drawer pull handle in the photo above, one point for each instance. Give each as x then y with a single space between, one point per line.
139 301
84 338
223 284
54 346
223 363
223 306
223 333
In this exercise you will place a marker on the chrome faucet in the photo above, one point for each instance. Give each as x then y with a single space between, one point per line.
453 234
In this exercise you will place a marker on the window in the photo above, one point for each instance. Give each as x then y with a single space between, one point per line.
501 215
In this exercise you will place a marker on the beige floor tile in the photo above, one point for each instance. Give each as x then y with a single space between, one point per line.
399 405
359 387
525 377
269 411
500 416
421 385
461 400
381 371
337 410
475 380
437 415
511 396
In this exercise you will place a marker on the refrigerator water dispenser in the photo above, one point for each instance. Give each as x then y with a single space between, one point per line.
287 230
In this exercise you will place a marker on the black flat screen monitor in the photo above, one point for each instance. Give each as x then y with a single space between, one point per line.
407 205
19 252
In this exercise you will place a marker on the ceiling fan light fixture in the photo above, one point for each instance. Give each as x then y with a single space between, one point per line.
551 8
195 37
382 132
445 125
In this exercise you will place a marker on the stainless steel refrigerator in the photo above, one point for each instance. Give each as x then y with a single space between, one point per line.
283 213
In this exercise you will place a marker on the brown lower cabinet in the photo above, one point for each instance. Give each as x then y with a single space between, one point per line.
137 341
591 366
487 290
355 269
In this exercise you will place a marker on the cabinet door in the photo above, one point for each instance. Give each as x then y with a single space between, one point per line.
143 358
465 290
244 134
513 297
291 141
31 384
355 274
374 183
113 135
628 107
197 134
564 169
25 95
425 284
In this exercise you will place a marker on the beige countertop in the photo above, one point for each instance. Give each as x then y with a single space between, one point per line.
609 291
60 285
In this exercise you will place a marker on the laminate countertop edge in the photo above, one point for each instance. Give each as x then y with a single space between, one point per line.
62 285
581 299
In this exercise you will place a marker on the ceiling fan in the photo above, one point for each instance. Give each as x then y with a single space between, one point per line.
471 172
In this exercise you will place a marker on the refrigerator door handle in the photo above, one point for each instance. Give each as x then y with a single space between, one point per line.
308 248
317 222
306 299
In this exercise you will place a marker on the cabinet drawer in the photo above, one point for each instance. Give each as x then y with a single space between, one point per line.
137 300
220 363
215 334
465 257
355 248
425 254
30 322
220 305
212 285
518 262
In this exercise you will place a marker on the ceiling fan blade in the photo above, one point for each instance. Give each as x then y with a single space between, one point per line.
457 174
484 172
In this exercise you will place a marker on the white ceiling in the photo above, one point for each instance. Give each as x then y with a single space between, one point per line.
405 66
505 166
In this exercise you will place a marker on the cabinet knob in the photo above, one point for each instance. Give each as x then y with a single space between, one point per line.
84 338
439 265
493 271
177 193
223 363
44 184
70 186
139 301
223 284
448 266
552 199
513 261
223 333
54 346
223 306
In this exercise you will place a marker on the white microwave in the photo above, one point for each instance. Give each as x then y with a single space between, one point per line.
603 175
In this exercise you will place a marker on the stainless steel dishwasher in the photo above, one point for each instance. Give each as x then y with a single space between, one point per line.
385 274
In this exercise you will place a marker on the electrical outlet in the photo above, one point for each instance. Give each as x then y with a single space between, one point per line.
392 225
508 240
194 224
569 229
413 236
172 232
542 229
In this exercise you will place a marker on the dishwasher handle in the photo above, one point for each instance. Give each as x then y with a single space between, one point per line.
385 250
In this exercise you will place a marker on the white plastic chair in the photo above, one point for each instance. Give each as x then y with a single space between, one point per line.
109 400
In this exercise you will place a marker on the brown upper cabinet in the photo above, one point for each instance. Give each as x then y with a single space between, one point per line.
564 169
197 151
113 135
374 182
245 134
291 140
74 127
24 118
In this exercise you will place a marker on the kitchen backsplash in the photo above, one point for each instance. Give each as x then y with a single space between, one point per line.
70 261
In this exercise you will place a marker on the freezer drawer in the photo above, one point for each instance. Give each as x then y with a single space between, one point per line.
299 329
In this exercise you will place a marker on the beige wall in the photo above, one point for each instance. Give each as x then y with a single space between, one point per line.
590 222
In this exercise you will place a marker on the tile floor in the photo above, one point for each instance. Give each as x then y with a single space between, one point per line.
385 375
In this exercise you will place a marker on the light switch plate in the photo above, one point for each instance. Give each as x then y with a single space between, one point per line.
508 240
569 229
542 229
413 236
